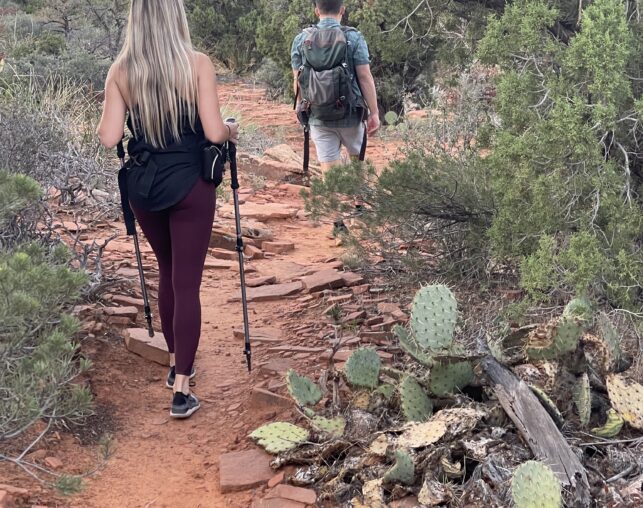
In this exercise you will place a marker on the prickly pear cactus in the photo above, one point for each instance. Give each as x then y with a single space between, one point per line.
385 390
534 485
403 471
410 345
335 426
280 437
612 426
554 340
583 399
626 396
433 317
362 369
610 337
416 405
303 390
447 378
580 310
549 405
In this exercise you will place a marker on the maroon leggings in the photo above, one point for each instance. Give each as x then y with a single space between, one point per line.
179 237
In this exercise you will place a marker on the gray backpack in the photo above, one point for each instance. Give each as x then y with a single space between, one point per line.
325 80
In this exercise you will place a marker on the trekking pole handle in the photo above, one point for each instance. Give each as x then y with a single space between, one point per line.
232 157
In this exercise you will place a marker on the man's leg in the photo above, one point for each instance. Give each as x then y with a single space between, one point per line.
328 144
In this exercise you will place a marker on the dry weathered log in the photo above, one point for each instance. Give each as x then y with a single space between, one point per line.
538 429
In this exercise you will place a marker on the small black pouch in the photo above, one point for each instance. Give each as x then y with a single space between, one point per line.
214 159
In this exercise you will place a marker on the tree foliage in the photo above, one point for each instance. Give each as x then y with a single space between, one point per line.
557 189
38 361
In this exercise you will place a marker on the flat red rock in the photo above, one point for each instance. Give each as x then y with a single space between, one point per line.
244 470
154 348
326 279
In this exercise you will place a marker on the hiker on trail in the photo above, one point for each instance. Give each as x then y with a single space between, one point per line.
326 58
169 94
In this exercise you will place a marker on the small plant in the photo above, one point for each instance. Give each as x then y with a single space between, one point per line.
416 405
303 390
280 437
362 369
403 471
534 485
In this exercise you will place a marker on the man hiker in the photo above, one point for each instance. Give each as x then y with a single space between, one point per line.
334 86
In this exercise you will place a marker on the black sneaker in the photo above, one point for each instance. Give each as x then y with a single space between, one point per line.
184 406
339 228
171 377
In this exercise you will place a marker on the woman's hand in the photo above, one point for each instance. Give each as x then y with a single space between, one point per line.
234 132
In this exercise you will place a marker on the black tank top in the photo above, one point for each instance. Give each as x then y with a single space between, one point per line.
170 173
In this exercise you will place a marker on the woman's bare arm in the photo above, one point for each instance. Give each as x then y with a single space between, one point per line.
111 127
215 130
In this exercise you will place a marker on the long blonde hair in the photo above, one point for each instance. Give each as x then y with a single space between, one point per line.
158 61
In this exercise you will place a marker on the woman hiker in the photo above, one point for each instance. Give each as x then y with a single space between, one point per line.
168 92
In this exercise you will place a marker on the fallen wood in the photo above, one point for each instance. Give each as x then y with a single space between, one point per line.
538 429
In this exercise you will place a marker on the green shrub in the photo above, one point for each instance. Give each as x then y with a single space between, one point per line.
38 362
558 190
566 182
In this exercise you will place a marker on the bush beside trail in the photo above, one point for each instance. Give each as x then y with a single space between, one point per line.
547 177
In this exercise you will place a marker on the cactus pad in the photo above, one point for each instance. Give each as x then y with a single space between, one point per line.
403 471
410 345
447 378
610 337
433 317
416 405
534 485
580 310
280 437
303 390
549 405
451 422
554 339
583 399
627 398
386 390
362 369
335 427
379 446
612 426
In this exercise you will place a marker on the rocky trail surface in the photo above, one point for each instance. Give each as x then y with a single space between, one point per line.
294 276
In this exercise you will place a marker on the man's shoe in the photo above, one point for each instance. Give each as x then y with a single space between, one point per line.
339 228
184 406
171 377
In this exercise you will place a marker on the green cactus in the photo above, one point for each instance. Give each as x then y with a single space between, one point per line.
335 427
409 344
362 370
448 377
549 405
612 426
562 338
534 485
386 390
416 405
280 437
391 118
626 396
303 390
583 399
433 317
580 310
403 471
609 335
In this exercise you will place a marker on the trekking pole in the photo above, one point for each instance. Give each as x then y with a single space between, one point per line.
130 226
232 157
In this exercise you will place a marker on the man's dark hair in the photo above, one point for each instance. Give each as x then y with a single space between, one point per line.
329 6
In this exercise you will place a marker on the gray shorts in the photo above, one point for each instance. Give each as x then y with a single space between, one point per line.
329 140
